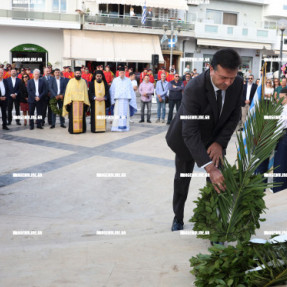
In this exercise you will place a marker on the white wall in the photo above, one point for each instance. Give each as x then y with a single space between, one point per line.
50 39
248 14
6 4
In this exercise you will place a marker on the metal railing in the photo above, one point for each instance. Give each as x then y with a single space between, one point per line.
38 15
153 23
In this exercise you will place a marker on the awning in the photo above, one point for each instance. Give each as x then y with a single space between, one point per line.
166 4
110 46
233 44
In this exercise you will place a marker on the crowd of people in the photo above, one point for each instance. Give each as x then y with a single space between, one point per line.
101 94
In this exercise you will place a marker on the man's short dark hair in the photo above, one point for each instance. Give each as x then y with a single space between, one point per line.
227 58
57 70
188 74
131 74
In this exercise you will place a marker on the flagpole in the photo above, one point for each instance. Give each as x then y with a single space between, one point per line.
171 46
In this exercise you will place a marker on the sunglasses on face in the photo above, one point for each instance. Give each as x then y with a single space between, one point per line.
250 78
25 77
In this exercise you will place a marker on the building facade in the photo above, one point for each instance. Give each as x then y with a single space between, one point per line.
74 32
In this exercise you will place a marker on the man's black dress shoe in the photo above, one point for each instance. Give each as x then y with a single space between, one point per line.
31 128
141 121
52 127
214 242
40 127
176 225
18 123
149 121
6 128
63 126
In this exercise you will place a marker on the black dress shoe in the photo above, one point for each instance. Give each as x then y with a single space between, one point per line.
52 127
168 123
41 128
31 128
215 242
18 123
141 121
63 126
176 225
6 128
149 121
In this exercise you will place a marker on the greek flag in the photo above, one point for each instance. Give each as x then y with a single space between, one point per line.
144 14
175 39
163 39
256 99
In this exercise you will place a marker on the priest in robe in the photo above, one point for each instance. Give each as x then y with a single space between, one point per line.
100 100
76 102
124 100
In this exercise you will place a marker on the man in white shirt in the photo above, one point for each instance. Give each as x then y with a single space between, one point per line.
13 98
36 92
249 90
3 99
135 87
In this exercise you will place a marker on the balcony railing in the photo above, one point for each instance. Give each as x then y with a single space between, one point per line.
153 23
38 15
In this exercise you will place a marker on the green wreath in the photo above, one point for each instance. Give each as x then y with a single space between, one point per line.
54 107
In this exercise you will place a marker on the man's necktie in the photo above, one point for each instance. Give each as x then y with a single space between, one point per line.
219 102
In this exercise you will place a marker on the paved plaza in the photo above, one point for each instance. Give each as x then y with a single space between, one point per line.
70 204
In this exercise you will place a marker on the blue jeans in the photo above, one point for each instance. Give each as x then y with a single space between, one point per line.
160 107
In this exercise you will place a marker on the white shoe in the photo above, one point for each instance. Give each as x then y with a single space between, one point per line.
131 121
163 121
157 121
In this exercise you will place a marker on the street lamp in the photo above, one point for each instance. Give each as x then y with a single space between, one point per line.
165 28
282 24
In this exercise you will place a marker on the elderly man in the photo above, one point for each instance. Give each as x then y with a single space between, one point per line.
76 101
146 90
36 92
123 97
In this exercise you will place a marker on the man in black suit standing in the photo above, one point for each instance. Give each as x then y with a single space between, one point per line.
36 92
249 90
4 91
13 87
45 101
215 94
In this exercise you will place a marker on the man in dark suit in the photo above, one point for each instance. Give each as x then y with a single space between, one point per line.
13 91
249 90
4 93
45 101
215 94
58 86
36 92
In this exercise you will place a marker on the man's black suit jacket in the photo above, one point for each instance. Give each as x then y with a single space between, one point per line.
252 92
189 139
15 89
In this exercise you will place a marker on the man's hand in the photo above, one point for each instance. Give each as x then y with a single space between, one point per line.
215 153
247 102
159 98
13 96
216 177
37 99
58 97
61 97
2 98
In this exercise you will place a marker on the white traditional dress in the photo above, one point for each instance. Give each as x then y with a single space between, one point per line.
123 97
